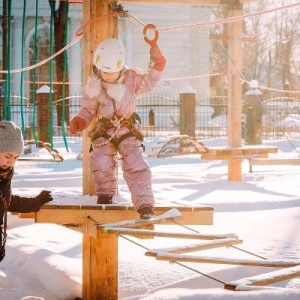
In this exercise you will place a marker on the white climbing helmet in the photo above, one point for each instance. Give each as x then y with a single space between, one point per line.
110 56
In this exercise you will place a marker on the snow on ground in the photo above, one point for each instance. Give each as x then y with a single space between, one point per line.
44 260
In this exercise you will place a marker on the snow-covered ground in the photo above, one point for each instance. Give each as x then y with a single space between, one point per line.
44 260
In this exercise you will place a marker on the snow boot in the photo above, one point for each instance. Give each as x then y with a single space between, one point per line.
146 212
104 199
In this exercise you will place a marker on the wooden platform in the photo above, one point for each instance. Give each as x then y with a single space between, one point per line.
79 215
100 236
272 161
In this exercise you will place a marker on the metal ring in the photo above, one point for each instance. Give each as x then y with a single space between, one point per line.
150 42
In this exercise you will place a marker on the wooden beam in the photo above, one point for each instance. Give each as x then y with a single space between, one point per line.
134 232
265 279
93 34
96 255
238 153
192 2
79 216
100 267
227 261
196 247
234 105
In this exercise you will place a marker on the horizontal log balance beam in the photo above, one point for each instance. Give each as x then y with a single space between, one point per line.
100 248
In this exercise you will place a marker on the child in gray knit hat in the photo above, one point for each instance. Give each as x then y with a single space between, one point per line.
11 147
11 138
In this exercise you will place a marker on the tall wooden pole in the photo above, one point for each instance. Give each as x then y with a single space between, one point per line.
234 89
93 34
100 256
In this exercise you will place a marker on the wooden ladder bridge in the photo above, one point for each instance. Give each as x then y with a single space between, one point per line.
101 226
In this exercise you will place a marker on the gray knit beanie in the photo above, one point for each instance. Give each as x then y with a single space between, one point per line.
11 138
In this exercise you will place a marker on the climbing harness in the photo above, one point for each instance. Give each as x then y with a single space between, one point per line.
103 125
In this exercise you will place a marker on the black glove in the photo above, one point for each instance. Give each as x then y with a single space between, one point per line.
44 197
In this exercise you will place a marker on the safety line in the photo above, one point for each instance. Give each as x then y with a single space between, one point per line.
191 229
175 262
218 22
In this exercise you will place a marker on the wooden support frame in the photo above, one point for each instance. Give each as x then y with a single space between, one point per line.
95 251
100 248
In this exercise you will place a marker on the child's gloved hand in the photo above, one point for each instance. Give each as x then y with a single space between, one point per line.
44 197
157 56
77 124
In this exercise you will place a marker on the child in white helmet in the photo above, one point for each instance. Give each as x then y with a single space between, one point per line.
110 96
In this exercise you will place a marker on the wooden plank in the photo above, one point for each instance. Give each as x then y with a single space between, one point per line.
133 232
236 152
195 247
227 261
80 215
273 161
165 217
266 278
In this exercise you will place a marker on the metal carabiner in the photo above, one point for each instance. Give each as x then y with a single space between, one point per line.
156 34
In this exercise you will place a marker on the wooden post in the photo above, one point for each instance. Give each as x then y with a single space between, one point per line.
93 34
254 112
187 111
100 254
97 253
43 113
234 89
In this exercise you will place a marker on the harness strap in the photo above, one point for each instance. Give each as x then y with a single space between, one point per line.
109 123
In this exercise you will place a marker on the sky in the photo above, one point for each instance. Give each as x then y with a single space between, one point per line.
43 261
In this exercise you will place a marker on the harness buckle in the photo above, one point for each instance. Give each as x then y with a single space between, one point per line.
115 122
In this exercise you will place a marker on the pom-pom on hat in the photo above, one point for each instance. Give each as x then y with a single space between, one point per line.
11 138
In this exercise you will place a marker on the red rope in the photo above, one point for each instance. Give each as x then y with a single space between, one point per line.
79 31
